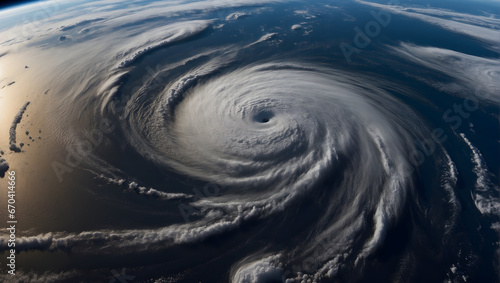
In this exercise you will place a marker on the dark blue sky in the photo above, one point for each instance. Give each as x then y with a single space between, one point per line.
4 4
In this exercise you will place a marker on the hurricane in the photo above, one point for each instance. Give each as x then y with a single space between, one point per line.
251 141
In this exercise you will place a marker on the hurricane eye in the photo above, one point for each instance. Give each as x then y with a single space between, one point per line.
264 117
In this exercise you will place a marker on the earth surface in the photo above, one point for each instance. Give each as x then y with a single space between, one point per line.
251 141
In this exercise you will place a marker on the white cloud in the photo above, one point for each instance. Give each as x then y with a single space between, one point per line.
265 270
480 76
236 15
480 27
12 132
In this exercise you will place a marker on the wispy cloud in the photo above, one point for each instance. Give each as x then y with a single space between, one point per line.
484 28
477 74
